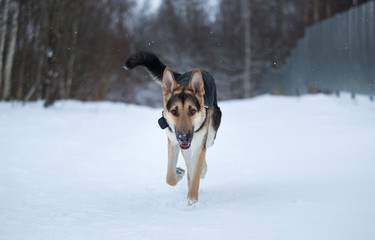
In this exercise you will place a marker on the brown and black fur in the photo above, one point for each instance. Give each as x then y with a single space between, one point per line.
191 115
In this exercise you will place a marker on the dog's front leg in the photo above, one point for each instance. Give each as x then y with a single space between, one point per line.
174 175
195 175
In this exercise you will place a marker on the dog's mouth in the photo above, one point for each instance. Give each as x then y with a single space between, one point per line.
185 145
184 139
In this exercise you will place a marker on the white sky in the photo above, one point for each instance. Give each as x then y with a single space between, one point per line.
154 4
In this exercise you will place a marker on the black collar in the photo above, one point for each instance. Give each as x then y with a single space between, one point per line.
162 122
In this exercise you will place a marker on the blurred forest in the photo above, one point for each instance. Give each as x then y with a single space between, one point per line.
74 49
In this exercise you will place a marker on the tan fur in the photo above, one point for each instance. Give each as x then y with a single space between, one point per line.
184 122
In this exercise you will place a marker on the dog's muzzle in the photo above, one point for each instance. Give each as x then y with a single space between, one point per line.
184 139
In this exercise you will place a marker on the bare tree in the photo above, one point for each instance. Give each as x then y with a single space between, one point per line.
328 8
316 11
10 53
247 77
69 78
4 29
25 36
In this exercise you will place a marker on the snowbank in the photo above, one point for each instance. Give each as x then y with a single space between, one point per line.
281 168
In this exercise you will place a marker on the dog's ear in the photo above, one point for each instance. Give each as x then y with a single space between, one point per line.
169 83
196 82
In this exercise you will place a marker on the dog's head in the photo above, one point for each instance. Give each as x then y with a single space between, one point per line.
184 106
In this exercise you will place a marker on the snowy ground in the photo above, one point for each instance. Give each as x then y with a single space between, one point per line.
281 168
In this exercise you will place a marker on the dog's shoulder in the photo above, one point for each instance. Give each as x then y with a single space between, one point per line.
210 89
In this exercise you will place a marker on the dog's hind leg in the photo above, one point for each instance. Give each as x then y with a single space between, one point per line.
174 175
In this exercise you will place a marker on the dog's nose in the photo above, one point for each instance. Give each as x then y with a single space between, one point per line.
183 137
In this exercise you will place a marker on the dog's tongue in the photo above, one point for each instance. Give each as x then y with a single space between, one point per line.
184 145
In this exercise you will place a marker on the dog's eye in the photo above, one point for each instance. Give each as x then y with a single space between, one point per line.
174 112
192 112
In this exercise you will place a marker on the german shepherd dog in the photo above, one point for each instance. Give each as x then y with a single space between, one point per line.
191 116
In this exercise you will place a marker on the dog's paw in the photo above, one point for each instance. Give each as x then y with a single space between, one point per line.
180 172
173 179
192 202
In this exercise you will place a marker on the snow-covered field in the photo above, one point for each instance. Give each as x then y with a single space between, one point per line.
281 168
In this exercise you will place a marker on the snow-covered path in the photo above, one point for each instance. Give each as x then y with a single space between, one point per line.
281 168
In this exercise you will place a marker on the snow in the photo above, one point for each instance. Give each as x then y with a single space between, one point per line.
281 168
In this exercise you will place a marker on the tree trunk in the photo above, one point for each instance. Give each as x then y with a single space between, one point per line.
306 13
25 50
22 70
247 78
10 53
54 72
69 78
4 29
316 11
37 87
328 8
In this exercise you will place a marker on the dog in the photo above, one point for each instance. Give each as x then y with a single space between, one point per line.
191 116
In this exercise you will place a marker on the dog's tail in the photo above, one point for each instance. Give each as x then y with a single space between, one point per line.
153 65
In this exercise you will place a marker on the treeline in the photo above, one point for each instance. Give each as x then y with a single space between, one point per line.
60 49
188 34
63 48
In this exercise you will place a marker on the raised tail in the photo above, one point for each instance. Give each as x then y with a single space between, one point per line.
152 63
